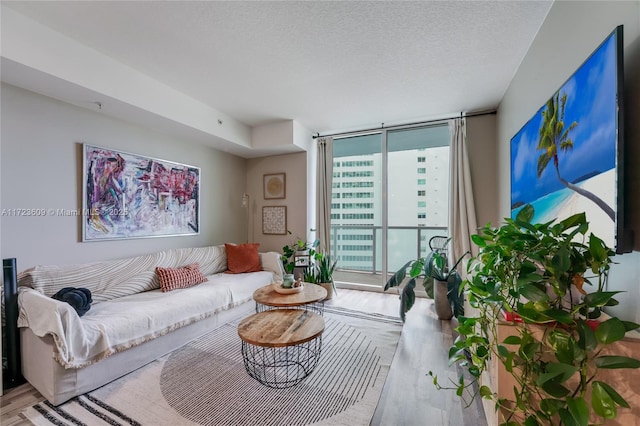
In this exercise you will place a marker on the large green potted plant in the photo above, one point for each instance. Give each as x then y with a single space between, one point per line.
534 274
438 281
320 272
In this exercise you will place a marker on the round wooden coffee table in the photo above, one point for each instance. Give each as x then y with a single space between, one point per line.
281 347
310 298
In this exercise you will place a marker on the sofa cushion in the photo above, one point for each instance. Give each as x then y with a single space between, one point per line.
113 279
242 258
184 277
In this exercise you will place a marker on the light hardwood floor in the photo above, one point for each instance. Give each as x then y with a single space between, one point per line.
409 397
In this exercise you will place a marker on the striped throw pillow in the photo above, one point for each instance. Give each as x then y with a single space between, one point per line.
175 278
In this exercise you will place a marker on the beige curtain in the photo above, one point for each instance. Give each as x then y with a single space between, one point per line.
462 212
323 192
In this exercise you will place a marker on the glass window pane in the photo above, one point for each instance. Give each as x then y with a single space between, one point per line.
355 221
418 181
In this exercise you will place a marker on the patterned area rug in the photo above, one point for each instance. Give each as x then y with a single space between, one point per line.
205 383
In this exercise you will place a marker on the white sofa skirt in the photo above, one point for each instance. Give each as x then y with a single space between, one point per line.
58 384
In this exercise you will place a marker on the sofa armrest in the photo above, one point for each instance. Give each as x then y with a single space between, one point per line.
44 315
270 261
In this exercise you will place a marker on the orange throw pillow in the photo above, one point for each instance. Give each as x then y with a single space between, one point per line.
242 258
175 278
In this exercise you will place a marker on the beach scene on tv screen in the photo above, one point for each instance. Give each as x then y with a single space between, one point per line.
563 161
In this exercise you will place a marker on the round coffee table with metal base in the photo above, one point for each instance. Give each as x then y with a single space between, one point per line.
281 347
311 297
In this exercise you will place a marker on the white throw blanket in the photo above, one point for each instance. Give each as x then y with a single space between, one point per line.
118 324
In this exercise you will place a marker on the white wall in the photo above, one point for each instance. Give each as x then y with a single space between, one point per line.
295 167
41 167
571 31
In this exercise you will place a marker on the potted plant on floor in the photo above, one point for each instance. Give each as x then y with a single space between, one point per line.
536 274
320 272
440 283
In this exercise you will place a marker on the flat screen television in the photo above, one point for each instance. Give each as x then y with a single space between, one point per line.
569 157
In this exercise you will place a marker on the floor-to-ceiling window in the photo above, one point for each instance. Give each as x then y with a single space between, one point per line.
389 197
357 206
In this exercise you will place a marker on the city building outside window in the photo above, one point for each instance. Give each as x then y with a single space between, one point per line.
415 206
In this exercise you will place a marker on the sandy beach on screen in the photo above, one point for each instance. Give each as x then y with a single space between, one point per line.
599 222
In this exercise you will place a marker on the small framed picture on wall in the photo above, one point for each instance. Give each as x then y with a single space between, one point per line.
274 220
275 186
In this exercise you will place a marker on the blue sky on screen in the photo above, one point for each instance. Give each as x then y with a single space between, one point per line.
591 102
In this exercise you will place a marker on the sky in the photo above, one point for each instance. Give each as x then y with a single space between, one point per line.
591 102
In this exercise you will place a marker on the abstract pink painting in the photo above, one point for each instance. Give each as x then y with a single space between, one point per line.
133 196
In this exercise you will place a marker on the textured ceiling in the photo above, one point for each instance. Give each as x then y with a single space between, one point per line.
328 65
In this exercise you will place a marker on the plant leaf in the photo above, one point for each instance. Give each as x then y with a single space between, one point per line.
525 214
528 313
559 315
579 410
455 297
602 402
598 249
533 293
611 361
428 283
555 389
599 298
574 220
610 331
551 406
617 398
556 372
561 261
587 340
512 340
565 348
407 297
628 325
503 351
456 354
416 268
397 278
478 240
485 392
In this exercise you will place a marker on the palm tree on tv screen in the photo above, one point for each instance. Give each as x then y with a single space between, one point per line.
554 136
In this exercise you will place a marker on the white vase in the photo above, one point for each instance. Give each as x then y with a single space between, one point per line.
441 301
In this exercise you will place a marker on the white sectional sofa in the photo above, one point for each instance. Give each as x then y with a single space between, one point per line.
131 321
